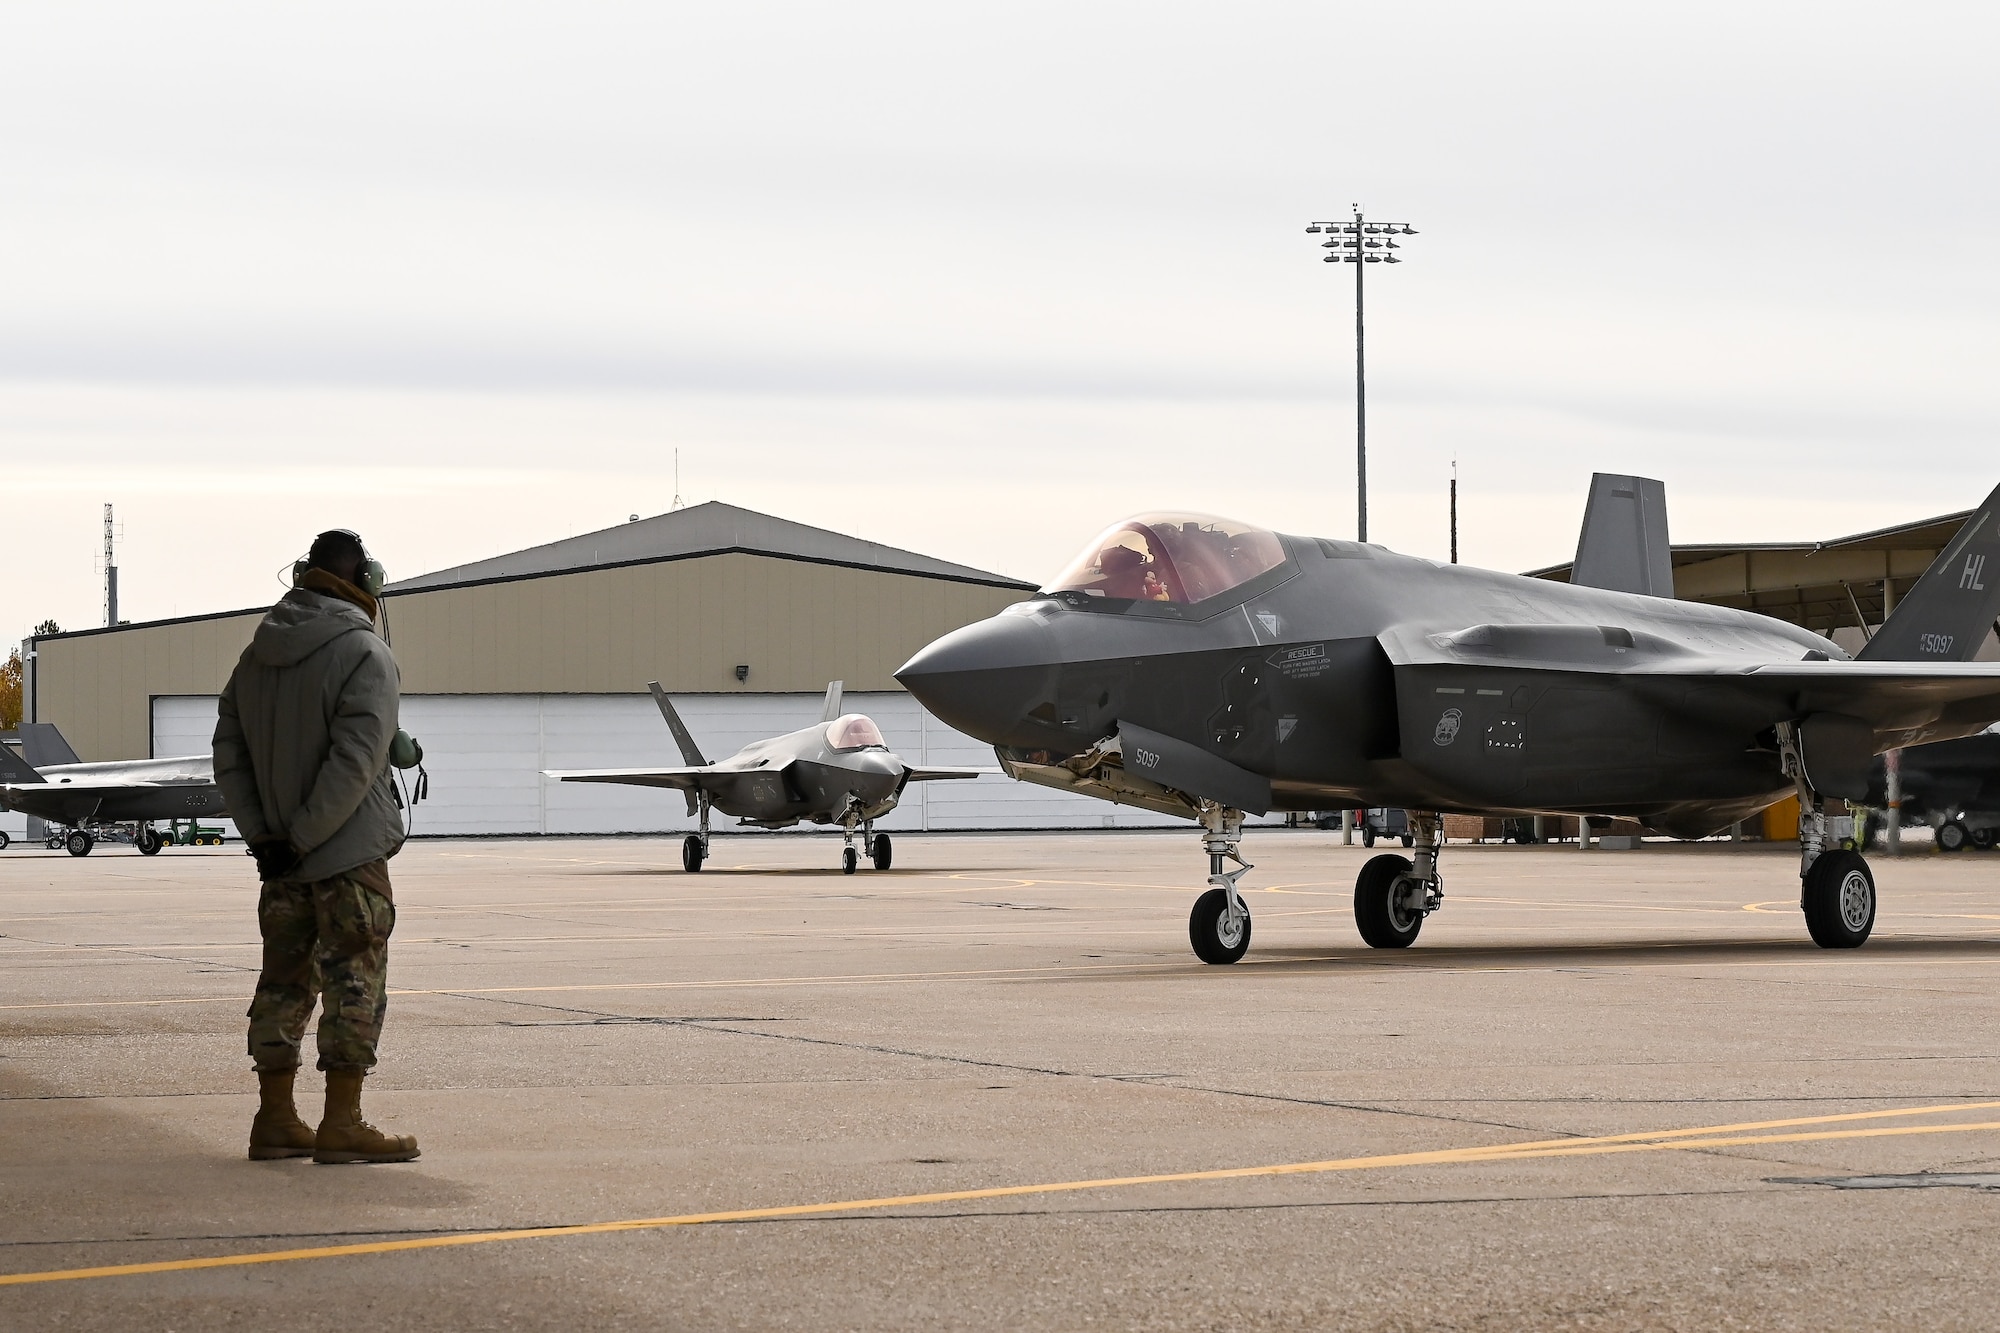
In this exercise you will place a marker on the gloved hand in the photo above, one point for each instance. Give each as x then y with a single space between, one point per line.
276 857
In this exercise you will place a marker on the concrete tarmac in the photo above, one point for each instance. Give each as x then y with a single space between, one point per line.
580 1034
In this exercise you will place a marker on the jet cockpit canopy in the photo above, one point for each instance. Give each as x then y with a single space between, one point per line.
1178 559
854 731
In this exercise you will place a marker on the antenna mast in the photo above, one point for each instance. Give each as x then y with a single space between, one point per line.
110 575
678 502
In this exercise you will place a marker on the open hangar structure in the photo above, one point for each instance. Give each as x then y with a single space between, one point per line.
539 660
1843 588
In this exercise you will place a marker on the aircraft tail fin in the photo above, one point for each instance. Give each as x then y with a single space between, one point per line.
42 745
832 708
13 768
1623 546
690 752
1946 616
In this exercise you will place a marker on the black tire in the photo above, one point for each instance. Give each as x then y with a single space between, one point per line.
1839 899
1982 838
53 842
1383 925
1212 943
692 854
1952 836
1367 837
1409 839
149 842
850 860
882 853
4 840
80 842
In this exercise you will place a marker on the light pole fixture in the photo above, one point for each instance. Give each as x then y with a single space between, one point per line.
1360 243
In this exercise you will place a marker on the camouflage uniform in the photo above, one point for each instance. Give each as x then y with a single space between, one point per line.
327 939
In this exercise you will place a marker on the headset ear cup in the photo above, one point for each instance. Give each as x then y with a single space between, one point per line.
299 568
370 577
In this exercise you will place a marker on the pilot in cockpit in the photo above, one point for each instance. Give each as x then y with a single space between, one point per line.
1125 572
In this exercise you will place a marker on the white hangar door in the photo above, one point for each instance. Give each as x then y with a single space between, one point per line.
486 753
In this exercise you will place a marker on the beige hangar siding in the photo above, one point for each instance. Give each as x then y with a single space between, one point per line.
685 622
99 687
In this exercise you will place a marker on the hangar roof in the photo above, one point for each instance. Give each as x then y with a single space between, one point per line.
1823 586
704 529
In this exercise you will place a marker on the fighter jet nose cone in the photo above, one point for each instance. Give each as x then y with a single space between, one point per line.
985 679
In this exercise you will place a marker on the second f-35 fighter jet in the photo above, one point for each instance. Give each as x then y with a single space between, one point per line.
83 800
1206 668
838 771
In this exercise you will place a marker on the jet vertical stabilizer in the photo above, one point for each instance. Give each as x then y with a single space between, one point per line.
1946 616
1623 545
42 745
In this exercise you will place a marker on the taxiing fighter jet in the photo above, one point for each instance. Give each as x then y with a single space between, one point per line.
49 782
838 771
1209 668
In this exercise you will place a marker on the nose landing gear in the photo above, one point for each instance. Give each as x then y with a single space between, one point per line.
1219 925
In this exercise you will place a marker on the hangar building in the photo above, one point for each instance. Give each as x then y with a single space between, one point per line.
539 660
1843 588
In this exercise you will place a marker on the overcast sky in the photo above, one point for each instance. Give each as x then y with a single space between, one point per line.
973 280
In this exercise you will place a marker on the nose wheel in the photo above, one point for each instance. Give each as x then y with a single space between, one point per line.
1219 925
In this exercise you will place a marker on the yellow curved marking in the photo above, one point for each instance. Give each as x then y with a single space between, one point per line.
1774 908
1712 1136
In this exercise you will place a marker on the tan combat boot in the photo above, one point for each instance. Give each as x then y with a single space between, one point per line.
345 1137
277 1130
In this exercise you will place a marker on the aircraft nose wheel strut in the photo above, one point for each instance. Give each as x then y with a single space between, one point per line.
1219 925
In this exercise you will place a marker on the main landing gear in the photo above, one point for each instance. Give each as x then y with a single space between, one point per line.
694 847
1219 925
1836 888
1393 894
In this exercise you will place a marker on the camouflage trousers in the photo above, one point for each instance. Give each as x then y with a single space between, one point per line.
326 940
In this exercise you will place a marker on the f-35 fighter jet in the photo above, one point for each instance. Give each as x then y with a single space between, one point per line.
837 771
1208 668
49 782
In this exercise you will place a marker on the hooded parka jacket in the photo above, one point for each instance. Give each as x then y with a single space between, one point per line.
303 732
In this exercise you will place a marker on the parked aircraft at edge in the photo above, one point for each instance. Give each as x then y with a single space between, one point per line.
1206 668
50 783
837 771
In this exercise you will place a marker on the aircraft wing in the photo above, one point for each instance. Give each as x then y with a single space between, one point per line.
686 779
1904 703
939 774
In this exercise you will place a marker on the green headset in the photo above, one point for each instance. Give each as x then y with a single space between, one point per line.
369 578
404 750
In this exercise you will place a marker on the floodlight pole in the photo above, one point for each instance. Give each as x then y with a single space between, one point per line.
1350 244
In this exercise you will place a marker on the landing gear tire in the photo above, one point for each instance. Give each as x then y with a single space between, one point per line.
692 853
881 853
1952 837
149 842
80 842
1214 937
1383 922
1839 899
850 860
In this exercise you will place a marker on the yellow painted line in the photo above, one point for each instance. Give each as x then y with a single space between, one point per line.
1713 1136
